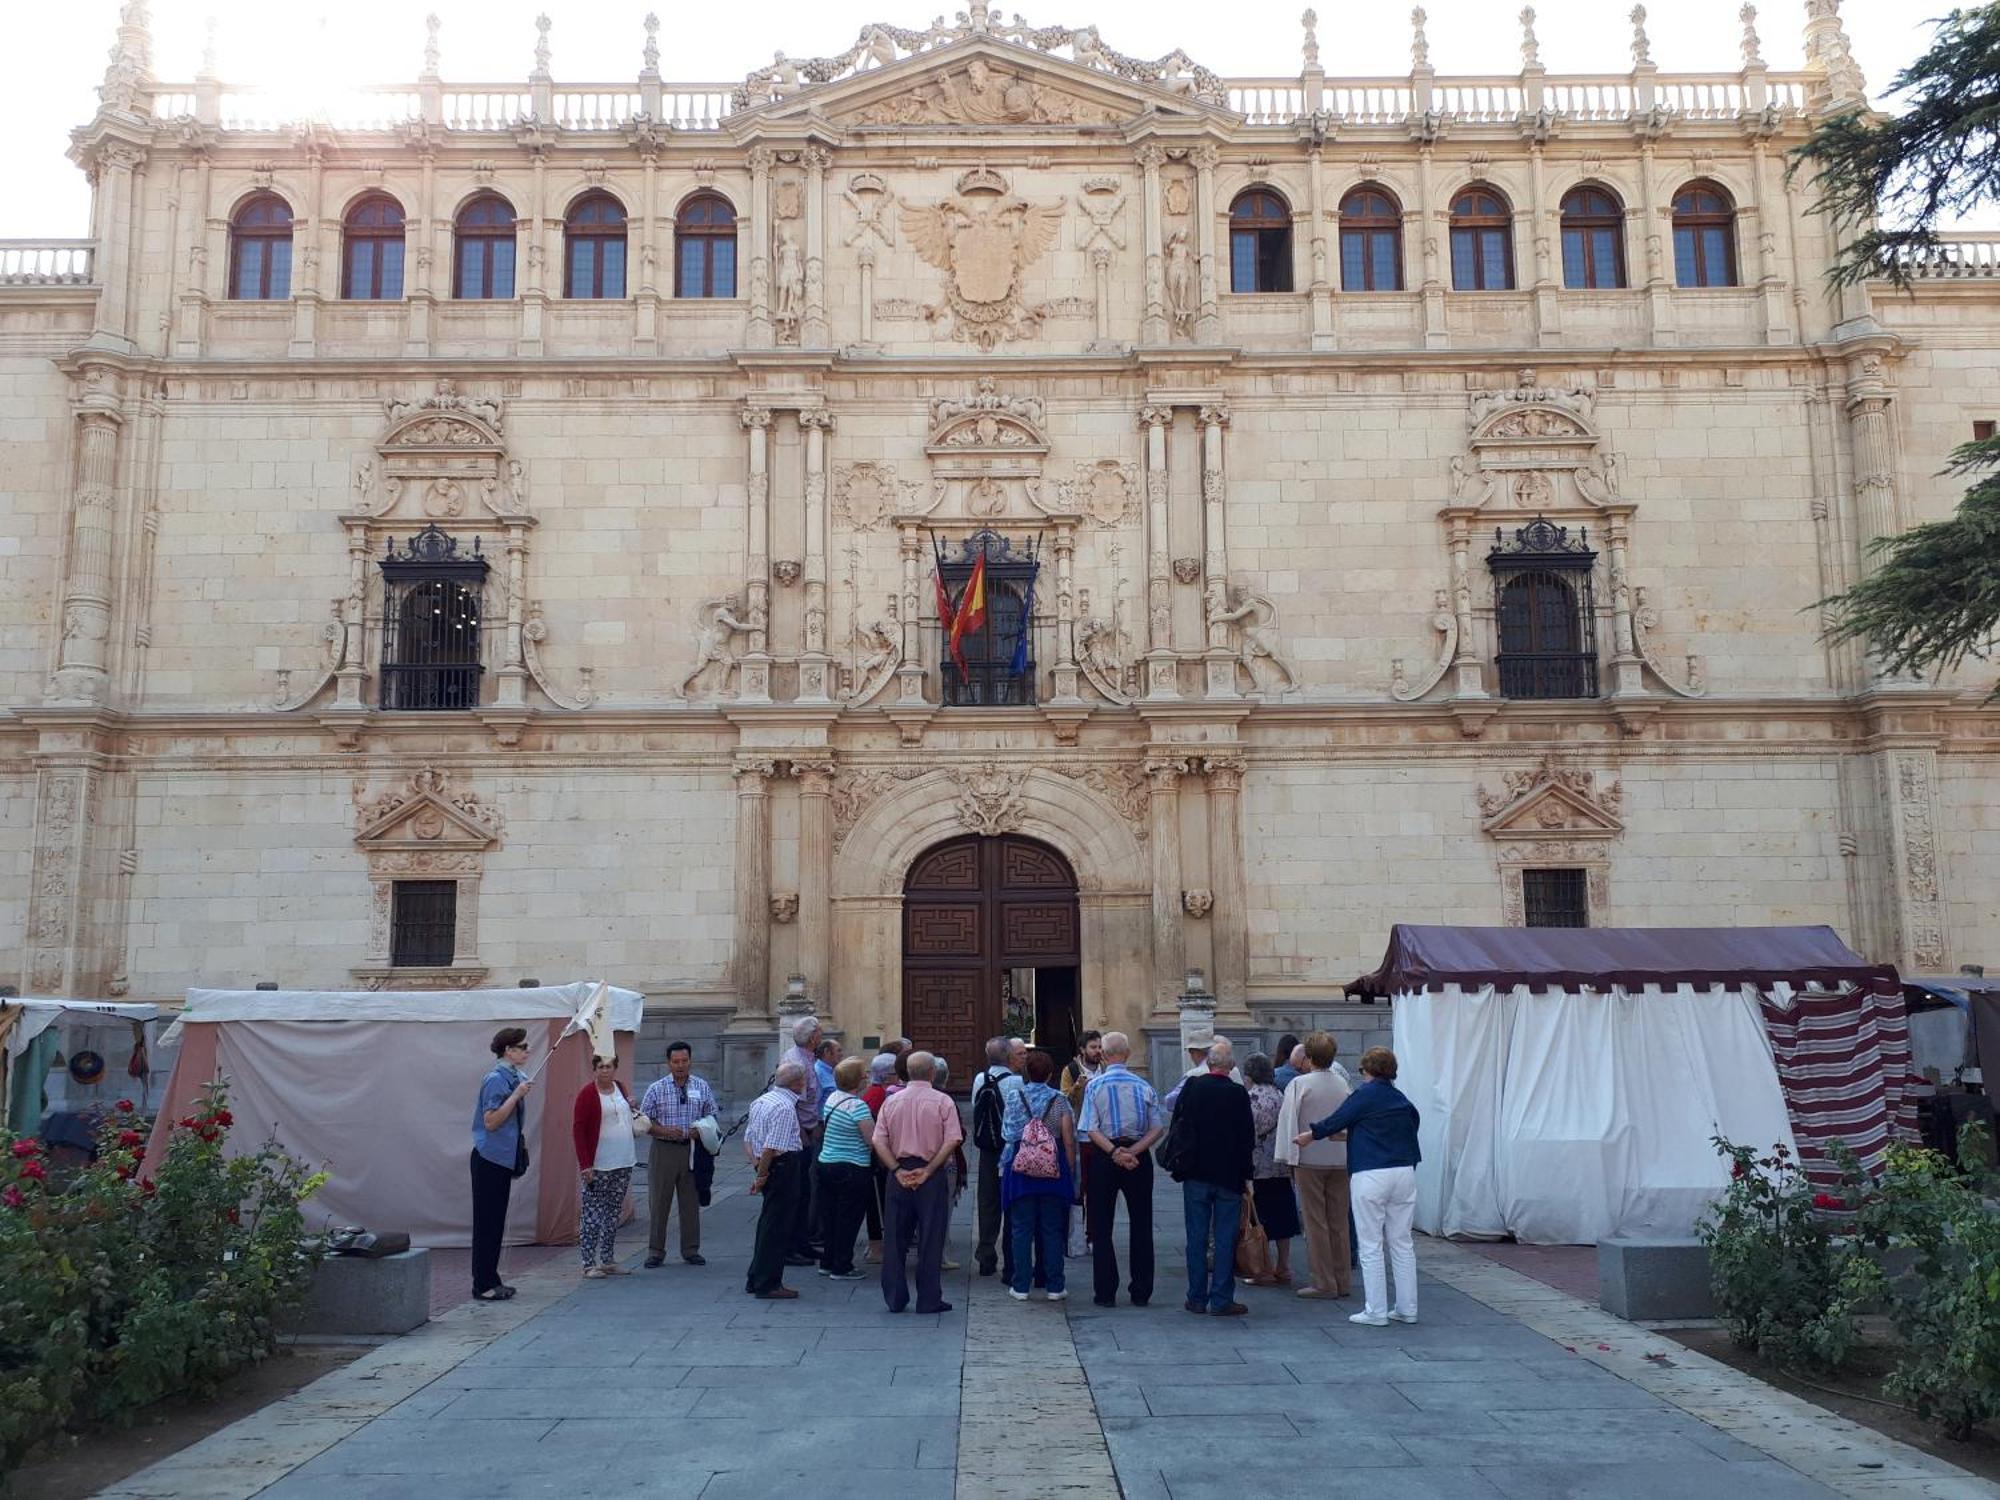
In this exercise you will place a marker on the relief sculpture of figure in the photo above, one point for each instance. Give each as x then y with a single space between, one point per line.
718 627
1180 282
791 277
1255 619
1097 650
883 641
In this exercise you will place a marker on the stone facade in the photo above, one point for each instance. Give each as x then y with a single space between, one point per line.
984 281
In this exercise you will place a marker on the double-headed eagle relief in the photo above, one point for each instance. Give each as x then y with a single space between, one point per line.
983 240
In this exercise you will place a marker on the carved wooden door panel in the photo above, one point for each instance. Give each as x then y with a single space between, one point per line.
972 909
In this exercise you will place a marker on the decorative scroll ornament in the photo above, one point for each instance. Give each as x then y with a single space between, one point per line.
987 420
718 623
1124 787
1645 620
446 399
1533 410
982 240
1444 620
882 641
854 791
333 656
534 630
1100 652
879 45
990 800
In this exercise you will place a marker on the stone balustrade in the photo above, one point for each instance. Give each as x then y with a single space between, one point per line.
1960 256
46 262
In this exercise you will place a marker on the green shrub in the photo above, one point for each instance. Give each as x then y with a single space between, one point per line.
1785 1283
1947 1309
116 1289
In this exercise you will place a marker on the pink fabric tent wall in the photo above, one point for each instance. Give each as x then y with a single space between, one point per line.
383 1101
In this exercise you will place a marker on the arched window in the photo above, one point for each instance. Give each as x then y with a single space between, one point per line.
1704 236
594 247
1593 230
1260 242
371 250
1482 241
483 259
1371 242
705 248
260 249
1545 612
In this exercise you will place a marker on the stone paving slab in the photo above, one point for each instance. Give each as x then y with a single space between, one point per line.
672 1384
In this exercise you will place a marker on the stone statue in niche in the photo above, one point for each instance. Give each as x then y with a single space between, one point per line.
791 279
718 627
1180 282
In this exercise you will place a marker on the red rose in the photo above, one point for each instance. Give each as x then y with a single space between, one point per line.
148 1186
27 1148
125 1106
1827 1200
124 1173
12 1197
223 1118
235 1216
35 1171
186 1122
130 1138
1736 1170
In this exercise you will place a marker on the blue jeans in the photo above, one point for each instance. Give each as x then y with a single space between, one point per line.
1211 1208
1037 1225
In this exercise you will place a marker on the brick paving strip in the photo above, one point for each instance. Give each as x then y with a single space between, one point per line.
1027 1427
1844 1456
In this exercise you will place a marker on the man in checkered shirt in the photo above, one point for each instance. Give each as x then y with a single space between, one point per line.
671 1107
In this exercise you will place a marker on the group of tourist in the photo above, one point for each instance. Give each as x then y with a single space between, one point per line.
836 1144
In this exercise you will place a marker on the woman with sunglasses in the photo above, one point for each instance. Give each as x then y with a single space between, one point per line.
499 1155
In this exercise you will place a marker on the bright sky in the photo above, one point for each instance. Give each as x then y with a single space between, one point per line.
49 73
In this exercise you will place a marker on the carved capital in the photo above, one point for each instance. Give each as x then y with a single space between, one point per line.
1215 414
756 416
1156 416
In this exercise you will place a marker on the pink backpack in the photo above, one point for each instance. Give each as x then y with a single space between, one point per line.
1036 1155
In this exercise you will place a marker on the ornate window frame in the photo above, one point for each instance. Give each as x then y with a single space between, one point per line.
426 830
1552 816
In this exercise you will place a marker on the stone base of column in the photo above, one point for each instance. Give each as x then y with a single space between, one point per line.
1162 676
815 678
753 678
1219 666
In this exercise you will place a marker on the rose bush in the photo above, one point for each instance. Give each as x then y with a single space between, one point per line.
117 1289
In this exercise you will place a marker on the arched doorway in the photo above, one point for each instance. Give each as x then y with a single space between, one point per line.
990 945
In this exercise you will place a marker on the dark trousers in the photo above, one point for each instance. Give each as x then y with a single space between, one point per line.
670 1184
1213 1216
922 1215
844 1189
1107 1183
994 1244
783 1191
805 1216
876 1172
491 1186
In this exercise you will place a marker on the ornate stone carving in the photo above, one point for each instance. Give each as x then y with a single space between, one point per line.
853 791
1551 796
786 572
990 800
1182 301
984 93
431 808
1923 926
1106 491
1198 903
534 631
1645 620
1124 787
1444 620
444 399
882 643
866 494
718 623
784 907
1532 410
333 656
1100 650
987 420
1187 569
1254 620
983 241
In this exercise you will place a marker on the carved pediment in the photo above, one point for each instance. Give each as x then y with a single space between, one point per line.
441 432
978 80
986 423
1533 413
425 813
1552 801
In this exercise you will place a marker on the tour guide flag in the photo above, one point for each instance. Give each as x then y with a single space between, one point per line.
971 611
593 1016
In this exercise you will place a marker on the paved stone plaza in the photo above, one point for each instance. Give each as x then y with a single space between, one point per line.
673 1384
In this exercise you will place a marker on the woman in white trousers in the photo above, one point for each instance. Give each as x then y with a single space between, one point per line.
1382 1157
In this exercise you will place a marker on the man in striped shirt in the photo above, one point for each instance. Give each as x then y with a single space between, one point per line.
771 1139
671 1106
1121 1115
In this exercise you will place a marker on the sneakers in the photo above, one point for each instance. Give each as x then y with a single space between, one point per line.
1403 1317
1017 1296
1370 1320
845 1275
1064 1297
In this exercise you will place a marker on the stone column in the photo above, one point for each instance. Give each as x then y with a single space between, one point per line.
418 281
1874 458
864 260
1320 287
1627 675
1100 287
1153 326
1208 320
1548 305
1161 676
815 666
1066 673
67 802
208 266
513 674
910 675
1909 776
751 968
815 874
646 337
1427 220
532 254
754 674
1228 933
1659 304
352 673
1169 943
82 660
115 164
1467 675
1221 660
756 253
307 287
813 331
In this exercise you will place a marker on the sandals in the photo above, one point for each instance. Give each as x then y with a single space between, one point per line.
593 1273
612 1268
493 1294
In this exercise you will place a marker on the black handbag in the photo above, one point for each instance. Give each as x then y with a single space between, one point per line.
521 1154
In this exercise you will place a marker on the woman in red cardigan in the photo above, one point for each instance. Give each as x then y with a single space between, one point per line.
605 1155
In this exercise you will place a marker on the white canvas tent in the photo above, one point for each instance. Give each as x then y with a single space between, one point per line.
1570 1081
378 1089
35 1027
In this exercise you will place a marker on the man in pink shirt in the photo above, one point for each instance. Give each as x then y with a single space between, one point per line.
916 1136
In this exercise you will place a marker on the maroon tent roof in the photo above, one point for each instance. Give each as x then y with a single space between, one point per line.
1571 957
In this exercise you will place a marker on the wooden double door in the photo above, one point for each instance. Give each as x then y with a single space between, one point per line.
989 929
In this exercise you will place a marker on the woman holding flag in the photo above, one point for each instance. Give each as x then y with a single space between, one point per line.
499 1155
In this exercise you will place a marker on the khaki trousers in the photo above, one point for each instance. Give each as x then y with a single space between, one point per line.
1323 1201
670 1179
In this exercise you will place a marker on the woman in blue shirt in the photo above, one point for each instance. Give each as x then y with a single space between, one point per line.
1382 1157
498 1157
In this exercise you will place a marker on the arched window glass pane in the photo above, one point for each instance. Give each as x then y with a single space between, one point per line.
1371 242
1482 242
260 250
1592 239
594 252
1260 243
371 259
705 248
483 262
1704 236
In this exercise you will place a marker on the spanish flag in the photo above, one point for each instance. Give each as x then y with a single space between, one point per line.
971 611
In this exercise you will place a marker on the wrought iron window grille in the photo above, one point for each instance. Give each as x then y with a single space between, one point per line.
1000 662
1545 610
1555 898
433 610
423 929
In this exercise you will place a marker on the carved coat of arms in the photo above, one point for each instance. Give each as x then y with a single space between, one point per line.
983 241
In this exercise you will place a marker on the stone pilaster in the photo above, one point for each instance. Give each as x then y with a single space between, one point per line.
1220 658
815 780
753 249
1169 943
67 798
1319 288
1627 679
754 675
511 679
1228 933
1067 674
82 675
813 331
1916 884
751 964
1208 318
815 665
1153 326
910 675
1162 677
117 166
1468 676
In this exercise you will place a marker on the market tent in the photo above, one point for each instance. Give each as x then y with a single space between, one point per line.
377 1089
1570 1079
35 1028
